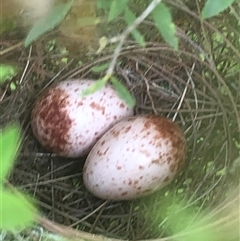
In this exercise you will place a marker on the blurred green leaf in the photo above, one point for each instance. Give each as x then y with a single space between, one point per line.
103 4
130 18
100 68
54 17
9 143
163 20
13 86
123 92
16 211
7 25
214 7
117 7
99 84
6 72
103 41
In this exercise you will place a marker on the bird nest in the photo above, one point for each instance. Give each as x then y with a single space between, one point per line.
197 87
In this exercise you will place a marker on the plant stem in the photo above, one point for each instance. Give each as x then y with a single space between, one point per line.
121 38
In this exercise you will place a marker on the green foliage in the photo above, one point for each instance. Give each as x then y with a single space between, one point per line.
123 92
214 7
8 148
130 18
165 25
6 72
184 225
161 16
15 209
103 41
54 17
99 84
103 4
116 9
100 68
7 24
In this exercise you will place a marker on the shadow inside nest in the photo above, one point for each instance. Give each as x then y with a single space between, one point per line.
163 85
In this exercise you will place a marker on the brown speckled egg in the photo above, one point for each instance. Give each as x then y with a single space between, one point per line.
68 124
136 157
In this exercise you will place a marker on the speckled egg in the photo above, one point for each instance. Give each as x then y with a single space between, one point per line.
68 124
136 157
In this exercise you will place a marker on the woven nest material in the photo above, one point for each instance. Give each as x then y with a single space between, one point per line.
197 89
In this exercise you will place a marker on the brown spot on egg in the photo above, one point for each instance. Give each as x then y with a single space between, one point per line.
124 193
141 167
50 110
147 124
115 133
145 152
167 179
156 161
169 159
119 167
98 107
122 105
102 153
173 136
147 191
127 129
106 151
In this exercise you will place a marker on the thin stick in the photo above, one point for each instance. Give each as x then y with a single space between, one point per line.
121 38
11 48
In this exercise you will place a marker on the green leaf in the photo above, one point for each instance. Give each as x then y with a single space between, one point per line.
117 7
103 41
103 4
185 228
130 18
99 84
6 72
123 92
163 20
15 210
99 68
9 143
54 17
214 7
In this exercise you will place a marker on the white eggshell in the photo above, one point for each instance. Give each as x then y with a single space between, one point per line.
68 124
136 157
